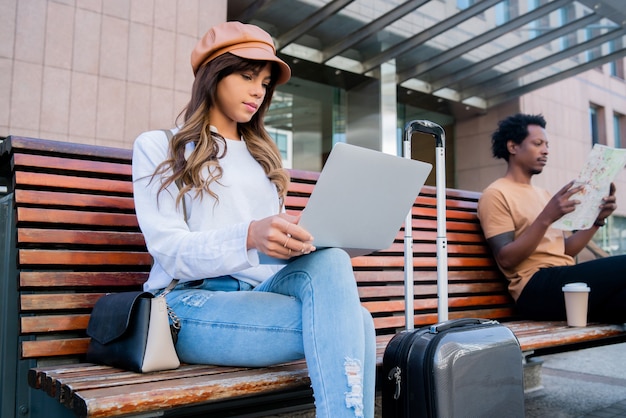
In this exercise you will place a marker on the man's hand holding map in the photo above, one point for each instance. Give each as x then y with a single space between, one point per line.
603 165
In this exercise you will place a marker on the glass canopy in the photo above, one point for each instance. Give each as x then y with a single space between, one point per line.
479 53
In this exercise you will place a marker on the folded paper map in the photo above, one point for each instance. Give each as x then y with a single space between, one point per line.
603 165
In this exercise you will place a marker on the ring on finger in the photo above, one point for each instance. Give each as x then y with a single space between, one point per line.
287 240
303 247
289 253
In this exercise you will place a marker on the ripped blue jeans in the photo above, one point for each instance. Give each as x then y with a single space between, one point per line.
309 309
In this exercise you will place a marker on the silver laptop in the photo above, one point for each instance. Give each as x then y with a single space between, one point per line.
361 199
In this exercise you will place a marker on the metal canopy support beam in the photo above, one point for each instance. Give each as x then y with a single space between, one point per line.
486 89
449 79
388 108
253 9
310 22
513 93
371 28
422 37
482 39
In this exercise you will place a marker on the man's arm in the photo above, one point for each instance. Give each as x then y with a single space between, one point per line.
510 252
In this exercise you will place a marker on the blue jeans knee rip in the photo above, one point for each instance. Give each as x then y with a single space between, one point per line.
354 398
196 299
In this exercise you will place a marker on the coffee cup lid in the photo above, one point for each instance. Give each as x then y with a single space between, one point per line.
576 287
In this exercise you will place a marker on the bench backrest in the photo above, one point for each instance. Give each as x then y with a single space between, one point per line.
77 238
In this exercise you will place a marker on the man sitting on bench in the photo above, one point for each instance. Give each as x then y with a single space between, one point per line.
537 258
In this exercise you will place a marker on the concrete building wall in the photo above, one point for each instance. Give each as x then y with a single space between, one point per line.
97 71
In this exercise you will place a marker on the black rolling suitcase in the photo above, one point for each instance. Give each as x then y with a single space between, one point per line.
457 368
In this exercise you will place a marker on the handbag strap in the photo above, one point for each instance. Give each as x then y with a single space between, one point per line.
179 182
169 288
174 282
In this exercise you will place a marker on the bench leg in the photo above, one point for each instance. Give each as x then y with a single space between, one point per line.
532 373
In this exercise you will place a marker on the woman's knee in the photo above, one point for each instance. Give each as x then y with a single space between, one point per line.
332 267
332 257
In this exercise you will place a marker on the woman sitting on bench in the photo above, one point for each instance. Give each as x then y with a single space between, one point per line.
211 199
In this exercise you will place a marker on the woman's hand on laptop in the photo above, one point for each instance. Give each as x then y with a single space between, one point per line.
280 236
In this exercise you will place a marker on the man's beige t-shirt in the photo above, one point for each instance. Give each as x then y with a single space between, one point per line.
507 206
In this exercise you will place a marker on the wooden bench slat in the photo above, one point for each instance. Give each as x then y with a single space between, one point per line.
431 247
73 164
397 306
37 375
53 348
58 301
560 334
451 215
419 290
423 235
65 236
47 198
194 390
396 323
53 323
87 379
303 176
75 217
365 277
422 262
84 258
20 144
295 203
300 189
92 279
23 178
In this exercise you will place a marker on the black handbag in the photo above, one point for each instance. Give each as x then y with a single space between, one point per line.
131 330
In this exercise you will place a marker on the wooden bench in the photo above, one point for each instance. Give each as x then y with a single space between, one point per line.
71 235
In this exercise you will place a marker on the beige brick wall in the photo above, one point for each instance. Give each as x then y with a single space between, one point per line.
97 71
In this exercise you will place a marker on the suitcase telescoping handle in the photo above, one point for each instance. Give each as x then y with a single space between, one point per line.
431 128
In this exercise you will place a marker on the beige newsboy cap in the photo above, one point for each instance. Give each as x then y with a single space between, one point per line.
240 39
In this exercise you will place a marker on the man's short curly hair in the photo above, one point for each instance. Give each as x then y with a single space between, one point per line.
513 128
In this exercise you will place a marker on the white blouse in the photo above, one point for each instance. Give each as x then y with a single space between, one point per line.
212 242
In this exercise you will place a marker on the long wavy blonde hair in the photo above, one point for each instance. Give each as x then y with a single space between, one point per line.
206 153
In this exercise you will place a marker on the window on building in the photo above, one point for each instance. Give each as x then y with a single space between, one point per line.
593 53
503 12
618 129
284 141
542 25
593 122
596 124
305 119
612 238
619 69
464 4
616 68
567 14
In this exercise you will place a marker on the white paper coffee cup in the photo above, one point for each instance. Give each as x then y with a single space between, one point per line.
576 301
